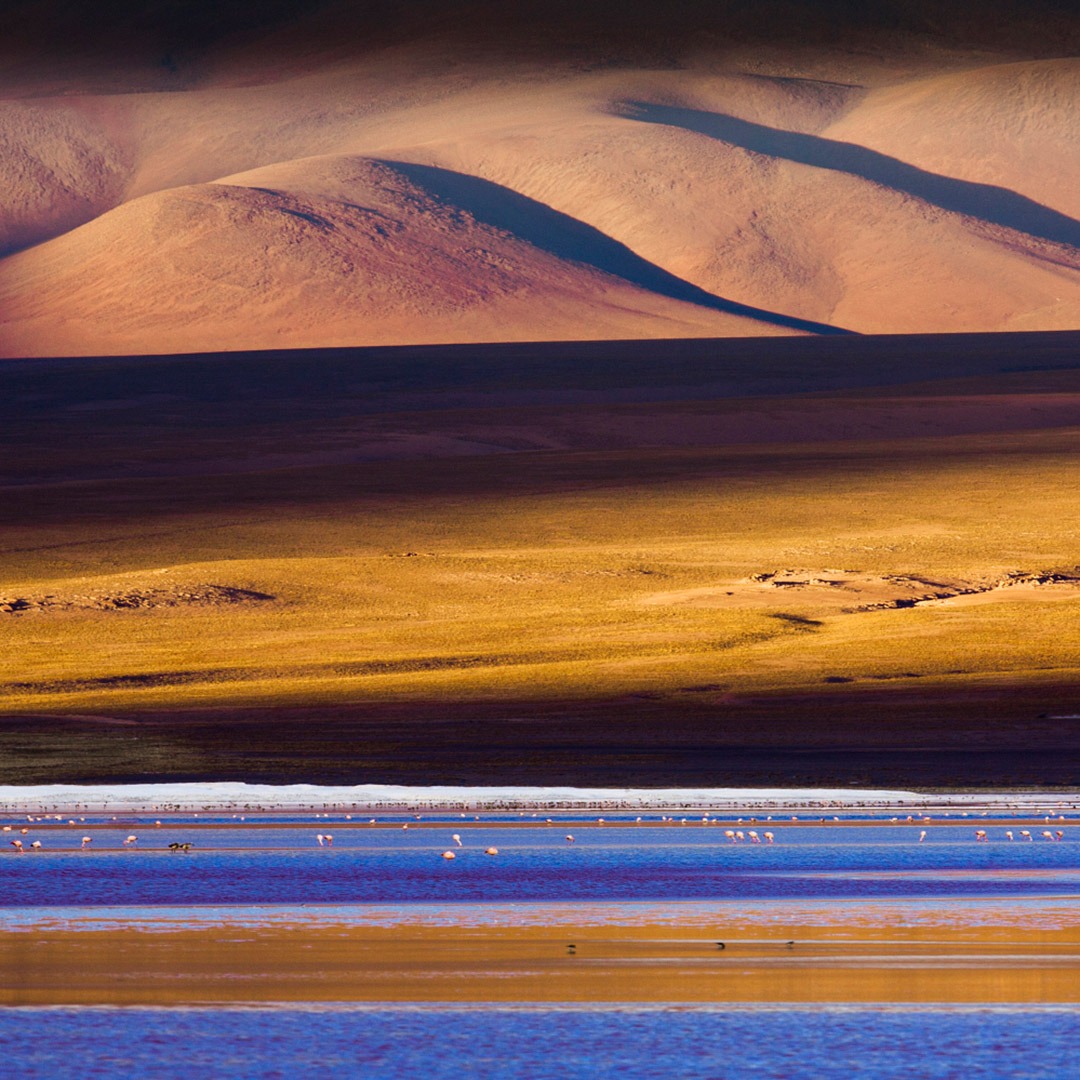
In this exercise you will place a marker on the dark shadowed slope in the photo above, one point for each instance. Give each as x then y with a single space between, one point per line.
566 237
989 203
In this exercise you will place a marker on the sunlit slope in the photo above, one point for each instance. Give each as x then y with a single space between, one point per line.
870 180
333 253
1014 125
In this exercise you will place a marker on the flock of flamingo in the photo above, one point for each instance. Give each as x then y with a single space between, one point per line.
735 836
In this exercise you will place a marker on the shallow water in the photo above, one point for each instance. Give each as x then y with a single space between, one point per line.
1032 913
562 1042
238 864
872 888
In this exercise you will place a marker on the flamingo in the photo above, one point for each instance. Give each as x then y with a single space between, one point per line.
769 838
329 840
980 835
754 838
457 839
569 838
131 840
922 836
36 845
1009 835
1048 834
1060 835
17 845
739 835
491 851
320 838
86 840
448 855
1025 834
730 834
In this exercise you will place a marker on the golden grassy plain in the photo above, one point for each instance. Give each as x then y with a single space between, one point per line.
552 560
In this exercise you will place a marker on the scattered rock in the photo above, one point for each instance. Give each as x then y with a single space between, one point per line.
189 596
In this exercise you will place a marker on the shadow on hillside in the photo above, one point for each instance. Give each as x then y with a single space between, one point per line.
567 238
995 205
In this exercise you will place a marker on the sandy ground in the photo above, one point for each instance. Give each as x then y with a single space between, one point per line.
583 963
850 591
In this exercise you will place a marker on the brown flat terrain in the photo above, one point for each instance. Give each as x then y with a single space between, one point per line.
794 963
801 561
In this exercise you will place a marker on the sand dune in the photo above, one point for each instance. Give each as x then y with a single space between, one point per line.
223 188
1014 125
59 168
381 261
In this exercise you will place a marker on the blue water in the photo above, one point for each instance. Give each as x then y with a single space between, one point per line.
244 865
544 1042
240 874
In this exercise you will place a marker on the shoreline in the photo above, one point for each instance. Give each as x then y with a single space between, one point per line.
229 796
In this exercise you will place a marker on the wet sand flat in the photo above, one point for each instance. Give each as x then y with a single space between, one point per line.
564 963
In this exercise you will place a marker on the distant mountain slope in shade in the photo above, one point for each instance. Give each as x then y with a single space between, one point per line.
339 173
